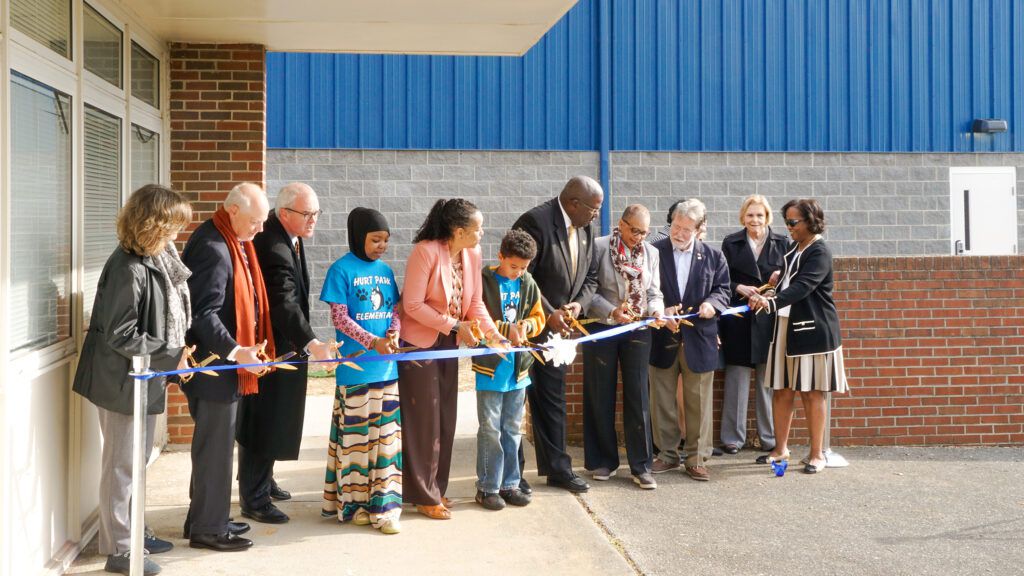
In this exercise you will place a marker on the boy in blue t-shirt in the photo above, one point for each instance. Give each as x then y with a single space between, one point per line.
513 301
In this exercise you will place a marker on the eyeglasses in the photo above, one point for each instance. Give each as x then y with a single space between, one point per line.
307 215
634 230
791 223
593 210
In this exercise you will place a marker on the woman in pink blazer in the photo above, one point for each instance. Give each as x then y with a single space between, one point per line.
442 307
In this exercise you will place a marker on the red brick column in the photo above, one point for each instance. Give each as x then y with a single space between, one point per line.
934 350
218 139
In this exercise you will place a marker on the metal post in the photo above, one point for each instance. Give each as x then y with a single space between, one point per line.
604 80
140 365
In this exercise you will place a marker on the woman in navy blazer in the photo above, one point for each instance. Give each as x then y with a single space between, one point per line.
755 256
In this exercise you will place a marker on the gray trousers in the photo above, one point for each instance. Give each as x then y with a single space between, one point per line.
734 406
697 396
116 479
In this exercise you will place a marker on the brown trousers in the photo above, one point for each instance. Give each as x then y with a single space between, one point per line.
429 396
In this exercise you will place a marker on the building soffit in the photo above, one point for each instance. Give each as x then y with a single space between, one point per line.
456 27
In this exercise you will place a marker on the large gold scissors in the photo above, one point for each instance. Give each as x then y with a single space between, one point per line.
191 362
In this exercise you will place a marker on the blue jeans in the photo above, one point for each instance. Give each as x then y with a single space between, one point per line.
497 441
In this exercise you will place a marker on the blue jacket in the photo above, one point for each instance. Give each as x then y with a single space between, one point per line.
708 282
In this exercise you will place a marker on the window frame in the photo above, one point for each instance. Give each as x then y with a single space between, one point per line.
89 77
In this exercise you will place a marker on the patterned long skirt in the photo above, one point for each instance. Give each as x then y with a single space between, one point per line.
364 458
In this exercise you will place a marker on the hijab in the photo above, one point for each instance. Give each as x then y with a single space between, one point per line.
361 222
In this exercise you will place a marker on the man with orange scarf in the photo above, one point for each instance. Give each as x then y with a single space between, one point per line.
230 318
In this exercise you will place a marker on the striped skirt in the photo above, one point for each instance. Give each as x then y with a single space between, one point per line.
364 457
815 372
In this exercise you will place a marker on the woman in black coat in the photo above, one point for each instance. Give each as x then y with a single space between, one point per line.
141 307
755 257
806 354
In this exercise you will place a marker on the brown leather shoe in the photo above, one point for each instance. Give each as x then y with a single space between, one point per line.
699 473
660 466
437 512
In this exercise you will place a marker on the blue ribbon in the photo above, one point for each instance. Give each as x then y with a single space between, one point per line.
433 354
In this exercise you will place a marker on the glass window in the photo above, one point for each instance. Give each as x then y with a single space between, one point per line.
145 157
40 215
45 21
102 197
145 76
102 46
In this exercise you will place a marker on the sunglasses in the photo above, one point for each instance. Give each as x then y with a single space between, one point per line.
792 223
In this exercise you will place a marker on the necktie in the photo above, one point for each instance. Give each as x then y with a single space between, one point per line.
574 249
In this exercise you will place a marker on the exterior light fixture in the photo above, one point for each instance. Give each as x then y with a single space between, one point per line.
988 125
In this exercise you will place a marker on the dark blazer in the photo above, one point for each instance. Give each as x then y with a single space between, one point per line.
271 422
128 319
745 339
551 267
708 282
213 311
813 319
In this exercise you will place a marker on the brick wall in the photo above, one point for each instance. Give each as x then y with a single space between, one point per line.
218 139
934 350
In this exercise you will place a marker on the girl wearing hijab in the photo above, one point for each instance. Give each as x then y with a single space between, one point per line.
364 457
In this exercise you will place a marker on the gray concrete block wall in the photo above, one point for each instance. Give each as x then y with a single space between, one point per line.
403 185
875 204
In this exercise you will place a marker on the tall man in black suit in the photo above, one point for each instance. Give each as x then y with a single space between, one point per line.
270 423
694 278
229 318
561 228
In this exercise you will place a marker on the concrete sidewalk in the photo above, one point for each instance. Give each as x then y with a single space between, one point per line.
554 535
893 511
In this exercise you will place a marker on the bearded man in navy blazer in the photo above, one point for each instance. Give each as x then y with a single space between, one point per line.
694 278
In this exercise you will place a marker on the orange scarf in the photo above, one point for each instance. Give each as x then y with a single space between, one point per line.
248 331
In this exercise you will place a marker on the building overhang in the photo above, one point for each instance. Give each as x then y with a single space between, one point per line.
457 27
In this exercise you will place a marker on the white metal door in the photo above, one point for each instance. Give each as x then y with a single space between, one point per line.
983 210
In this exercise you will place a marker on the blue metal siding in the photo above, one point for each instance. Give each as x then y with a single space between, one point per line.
691 75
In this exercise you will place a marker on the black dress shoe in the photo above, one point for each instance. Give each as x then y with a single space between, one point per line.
730 449
269 514
716 452
277 493
525 487
236 528
573 483
226 542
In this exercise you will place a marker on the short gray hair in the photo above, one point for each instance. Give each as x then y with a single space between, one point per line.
693 209
286 197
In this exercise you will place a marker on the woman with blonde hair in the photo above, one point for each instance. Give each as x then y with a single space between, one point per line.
754 254
141 307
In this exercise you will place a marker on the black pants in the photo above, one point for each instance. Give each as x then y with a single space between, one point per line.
602 360
213 443
255 474
547 413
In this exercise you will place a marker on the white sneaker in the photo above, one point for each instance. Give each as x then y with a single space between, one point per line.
602 473
390 526
361 517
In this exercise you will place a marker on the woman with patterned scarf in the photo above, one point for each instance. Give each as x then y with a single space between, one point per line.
141 307
628 288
